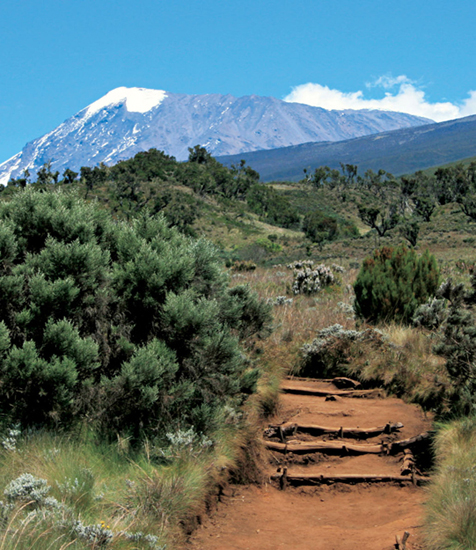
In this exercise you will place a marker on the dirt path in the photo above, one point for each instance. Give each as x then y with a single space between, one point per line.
306 505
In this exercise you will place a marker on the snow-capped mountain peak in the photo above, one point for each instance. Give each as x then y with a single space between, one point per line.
128 120
136 100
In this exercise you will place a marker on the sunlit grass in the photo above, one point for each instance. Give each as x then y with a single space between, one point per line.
451 504
155 490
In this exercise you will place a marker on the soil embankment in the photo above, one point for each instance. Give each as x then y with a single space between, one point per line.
344 473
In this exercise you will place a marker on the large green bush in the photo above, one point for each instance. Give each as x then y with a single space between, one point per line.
132 326
393 283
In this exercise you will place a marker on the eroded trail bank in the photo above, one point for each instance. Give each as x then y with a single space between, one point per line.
309 506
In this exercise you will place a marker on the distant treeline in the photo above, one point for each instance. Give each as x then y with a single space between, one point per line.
385 202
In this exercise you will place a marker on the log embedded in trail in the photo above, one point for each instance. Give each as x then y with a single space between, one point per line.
303 479
336 446
306 390
402 545
323 447
339 381
358 433
408 463
343 382
398 446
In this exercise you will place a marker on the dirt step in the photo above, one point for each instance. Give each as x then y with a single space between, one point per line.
292 428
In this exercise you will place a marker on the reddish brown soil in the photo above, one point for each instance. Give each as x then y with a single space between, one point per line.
329 517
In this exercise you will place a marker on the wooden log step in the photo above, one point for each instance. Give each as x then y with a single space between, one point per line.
408 463
345 448
290 428
310 479
398 446
340 381
323 447
307 390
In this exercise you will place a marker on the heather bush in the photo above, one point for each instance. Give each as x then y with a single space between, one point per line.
393 283
132 326
328 354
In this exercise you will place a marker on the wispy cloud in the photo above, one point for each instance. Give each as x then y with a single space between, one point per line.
400 94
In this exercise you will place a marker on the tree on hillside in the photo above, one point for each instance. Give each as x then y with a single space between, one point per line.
381 217
319 228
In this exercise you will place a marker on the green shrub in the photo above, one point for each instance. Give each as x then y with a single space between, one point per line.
271 206
320 227
393 283
132 325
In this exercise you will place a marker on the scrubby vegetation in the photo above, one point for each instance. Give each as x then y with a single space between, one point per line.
393 283
129 325
134 368
124 333
450 522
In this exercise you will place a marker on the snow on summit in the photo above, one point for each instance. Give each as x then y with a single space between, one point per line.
173 123
137 100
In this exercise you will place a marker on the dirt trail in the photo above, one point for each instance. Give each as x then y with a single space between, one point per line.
306 505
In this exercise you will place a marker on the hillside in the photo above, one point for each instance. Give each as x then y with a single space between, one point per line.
331 213
399 151
129 120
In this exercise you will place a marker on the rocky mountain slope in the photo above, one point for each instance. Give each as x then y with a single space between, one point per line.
128 120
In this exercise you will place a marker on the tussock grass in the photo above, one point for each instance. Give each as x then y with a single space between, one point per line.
451 504
156 490
404 363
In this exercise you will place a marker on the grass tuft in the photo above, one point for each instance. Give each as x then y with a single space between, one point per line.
451 504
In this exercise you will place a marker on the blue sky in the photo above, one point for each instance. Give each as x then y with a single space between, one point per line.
58 56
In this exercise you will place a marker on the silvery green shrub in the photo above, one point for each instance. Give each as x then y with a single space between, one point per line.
132 324
27 487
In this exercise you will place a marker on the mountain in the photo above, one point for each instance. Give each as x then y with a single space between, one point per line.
128 120
398 152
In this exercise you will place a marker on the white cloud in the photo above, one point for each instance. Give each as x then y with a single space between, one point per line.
405 97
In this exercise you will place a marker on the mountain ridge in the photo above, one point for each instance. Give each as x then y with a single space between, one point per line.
399 151
128 120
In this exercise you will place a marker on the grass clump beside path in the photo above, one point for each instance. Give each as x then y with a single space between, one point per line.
79 491
451 506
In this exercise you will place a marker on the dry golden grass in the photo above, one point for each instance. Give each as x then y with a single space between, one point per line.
451 504
405 365
296 324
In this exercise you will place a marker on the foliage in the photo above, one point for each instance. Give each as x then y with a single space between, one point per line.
320 227
271 206
430 315
131 325
399 359
392 283
458 343
327 355
310 279
410 230
382 217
